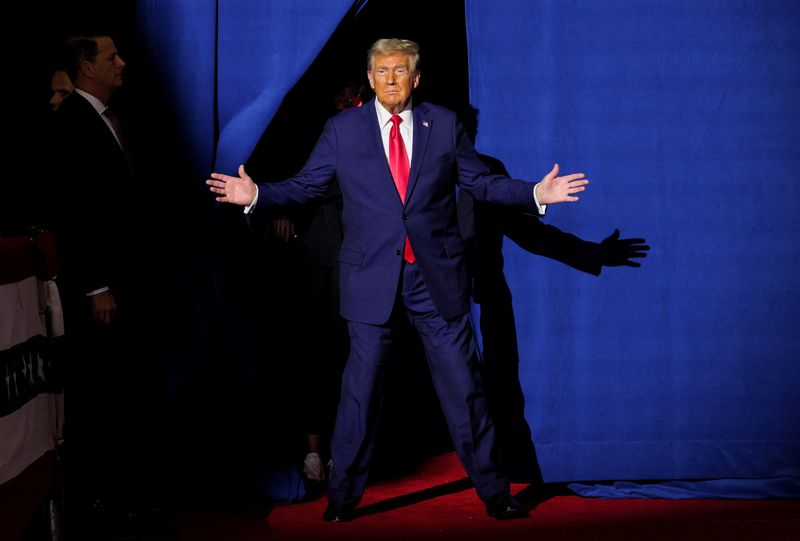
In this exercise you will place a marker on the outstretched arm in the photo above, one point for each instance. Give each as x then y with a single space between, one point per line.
239 190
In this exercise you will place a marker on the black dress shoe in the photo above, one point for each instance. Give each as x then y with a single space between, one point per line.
338 513
504 506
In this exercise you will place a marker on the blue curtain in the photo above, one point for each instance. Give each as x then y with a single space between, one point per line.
225 68
264 48
684 114
179 40
227 65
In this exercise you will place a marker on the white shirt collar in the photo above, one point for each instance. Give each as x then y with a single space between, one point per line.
385 116
99 106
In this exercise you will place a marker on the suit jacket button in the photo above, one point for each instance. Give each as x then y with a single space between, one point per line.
397 252
405 216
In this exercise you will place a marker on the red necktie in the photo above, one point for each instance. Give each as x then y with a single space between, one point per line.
398 164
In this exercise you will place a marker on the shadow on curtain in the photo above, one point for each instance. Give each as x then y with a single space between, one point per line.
682 114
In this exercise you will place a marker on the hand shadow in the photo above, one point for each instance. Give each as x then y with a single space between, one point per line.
483 226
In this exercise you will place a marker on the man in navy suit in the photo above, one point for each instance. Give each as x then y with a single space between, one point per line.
402 256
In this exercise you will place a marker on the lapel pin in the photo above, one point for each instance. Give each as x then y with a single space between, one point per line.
425 123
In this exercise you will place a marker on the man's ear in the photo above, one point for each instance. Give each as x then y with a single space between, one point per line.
87 68
416 80
371 83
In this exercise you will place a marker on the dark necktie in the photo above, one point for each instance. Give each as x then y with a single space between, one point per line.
398 164
117 131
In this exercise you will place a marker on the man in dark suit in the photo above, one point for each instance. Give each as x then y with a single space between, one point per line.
91 167
403 257
90 179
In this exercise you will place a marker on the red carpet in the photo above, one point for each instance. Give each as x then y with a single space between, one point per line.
437 504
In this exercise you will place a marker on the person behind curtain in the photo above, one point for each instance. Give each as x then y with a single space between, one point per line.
402 256
60 86
321 240
41 212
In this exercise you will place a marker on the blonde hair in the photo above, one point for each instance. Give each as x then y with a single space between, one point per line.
389 46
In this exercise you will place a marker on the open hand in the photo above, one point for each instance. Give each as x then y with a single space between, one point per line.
239 190
556 189
103 306
283 228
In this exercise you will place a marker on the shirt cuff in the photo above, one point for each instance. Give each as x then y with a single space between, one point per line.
251 207
541 209
97 291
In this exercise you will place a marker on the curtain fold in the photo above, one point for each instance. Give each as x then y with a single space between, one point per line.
178 39
264 48
225 68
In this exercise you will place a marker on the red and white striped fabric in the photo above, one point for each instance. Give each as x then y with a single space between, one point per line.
31 392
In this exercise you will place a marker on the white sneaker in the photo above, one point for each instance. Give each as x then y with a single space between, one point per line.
312 467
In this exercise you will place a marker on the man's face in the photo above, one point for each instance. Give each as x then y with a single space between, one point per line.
106 70
392 80
61 87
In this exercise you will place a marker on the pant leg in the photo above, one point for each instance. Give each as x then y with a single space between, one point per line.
452 357
359 409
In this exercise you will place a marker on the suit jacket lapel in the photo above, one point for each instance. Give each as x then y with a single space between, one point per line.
89 114
422 132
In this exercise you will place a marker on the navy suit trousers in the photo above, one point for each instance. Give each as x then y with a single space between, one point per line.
453 362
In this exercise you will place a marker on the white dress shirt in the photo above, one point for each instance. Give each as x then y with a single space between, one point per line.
406 127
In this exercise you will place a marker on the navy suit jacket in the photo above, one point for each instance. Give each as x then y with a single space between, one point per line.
375 220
